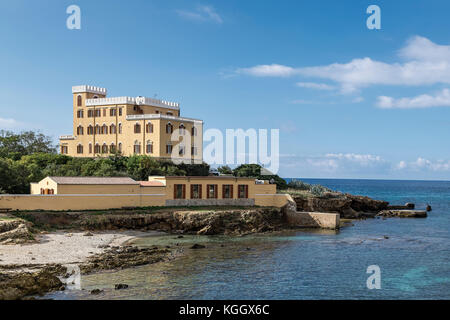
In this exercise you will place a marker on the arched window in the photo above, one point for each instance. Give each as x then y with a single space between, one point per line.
181 150
90 147
137 128
79 149
95 97
120 128
194 131
169 128
149 128
104 129
90 130
112 148
169 148
97 148
182 129
112 129
120 147
137 147
79 101
149 147
80 130
104 148
97 129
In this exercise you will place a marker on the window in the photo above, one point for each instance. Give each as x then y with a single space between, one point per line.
80 114
243 191
79 101
95 97
196 191
169 128
112 112
227 191
98 113
79 149
179 191
97 148
104 129
104 112
120 147
64 149
120 128
194 151
169 149
194 131
149 128
137 147
112 148
182 129
90 147
137 128
120 111
80 130
149 148
112 129
169 113
90 113
97 129
156 111
104 148
90 130
211 191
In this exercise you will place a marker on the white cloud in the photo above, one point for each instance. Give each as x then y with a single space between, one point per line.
8 123
272 70
314 85
424 63
441 99
422 164
202 14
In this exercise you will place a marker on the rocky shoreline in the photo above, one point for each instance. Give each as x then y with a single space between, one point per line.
32 260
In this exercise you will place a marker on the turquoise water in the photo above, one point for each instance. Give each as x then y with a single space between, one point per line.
308 264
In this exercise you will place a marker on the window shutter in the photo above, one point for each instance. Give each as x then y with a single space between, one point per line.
231 191
174 191
192 191
184 191
200 191
215 191
223 191
246 191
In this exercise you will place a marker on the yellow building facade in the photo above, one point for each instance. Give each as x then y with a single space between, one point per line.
144 126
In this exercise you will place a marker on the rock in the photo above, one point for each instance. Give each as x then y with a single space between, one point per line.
403 213
15 231
410 205
96 291
198 246
120 286
180 237
428 208
88 234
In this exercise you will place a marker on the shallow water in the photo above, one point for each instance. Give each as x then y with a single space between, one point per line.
307 264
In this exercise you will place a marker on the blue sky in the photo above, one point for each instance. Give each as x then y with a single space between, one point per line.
349 102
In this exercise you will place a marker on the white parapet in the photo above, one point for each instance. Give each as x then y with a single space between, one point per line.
67 137
142 101
150 116
90 89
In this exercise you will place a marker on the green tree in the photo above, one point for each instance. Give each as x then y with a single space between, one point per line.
15 146
225 170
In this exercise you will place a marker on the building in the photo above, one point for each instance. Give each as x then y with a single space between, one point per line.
141 125
94 193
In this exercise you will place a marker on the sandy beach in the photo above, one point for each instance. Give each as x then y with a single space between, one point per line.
64 247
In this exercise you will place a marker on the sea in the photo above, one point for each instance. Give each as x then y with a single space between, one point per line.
394 258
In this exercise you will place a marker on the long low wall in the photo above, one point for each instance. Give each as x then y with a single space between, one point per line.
79 202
